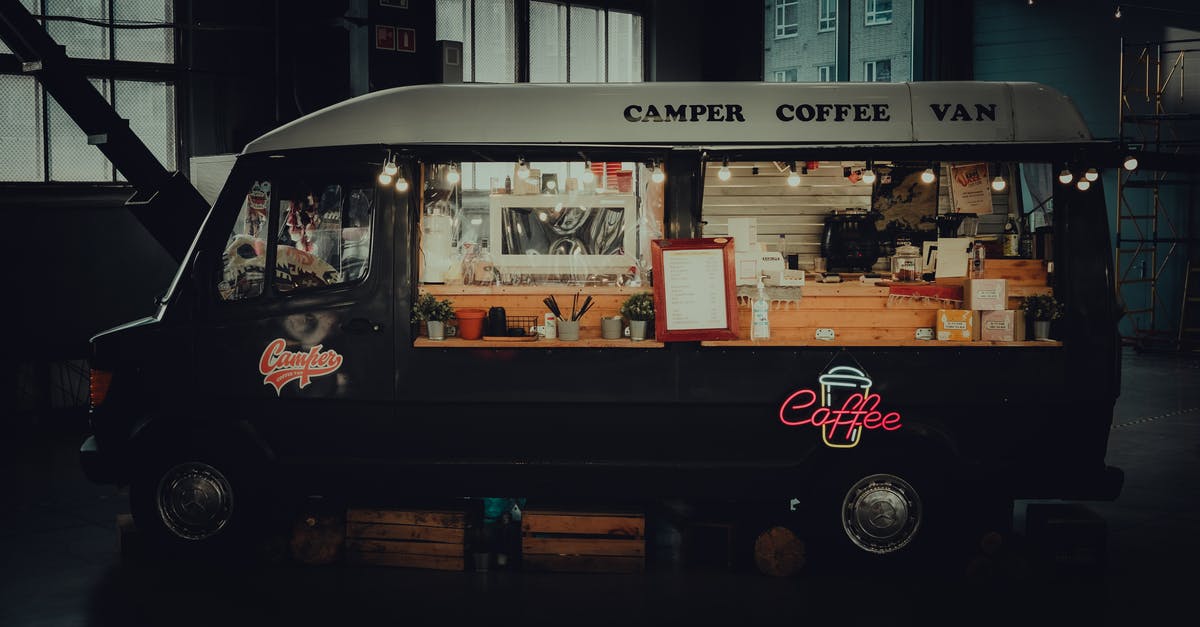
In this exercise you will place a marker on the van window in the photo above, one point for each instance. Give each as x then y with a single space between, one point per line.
324 235
244 258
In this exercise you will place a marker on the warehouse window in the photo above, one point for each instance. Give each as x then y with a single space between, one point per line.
790 75
877 71
566 42
878 12
827 73
131 41
787 18
826 15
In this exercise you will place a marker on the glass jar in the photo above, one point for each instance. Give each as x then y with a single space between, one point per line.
906 263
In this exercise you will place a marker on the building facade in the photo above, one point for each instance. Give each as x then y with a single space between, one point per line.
801 40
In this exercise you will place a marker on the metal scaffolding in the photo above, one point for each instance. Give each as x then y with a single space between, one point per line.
1152 225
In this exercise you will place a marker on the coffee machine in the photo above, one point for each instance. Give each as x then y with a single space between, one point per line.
849 240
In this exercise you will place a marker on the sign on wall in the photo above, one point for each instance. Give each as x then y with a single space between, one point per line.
970 189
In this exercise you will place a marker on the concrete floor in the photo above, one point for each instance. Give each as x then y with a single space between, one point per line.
61 564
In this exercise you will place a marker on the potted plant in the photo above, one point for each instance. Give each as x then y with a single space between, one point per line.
639 309
1042 309
434 313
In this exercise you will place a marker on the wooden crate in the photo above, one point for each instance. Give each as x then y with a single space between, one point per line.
406 538
559 541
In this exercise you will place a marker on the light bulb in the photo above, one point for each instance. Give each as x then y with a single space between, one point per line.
1091 174
588 176
724 172
402 184
523 171
999 184
452 176
1083 185
658 175
385 178
1118 13
1065 177
390 168
1131 163
794 178
868 177
928 176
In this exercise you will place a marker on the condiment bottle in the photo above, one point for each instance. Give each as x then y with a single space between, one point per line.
760 327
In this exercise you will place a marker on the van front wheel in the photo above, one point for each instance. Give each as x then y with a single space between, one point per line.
882 513
194 500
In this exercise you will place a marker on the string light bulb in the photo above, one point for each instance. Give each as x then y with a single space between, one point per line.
452 176
1065 177
868 174
656 174
928 176
390 168
1083 184
588 176
998 184
522 169
402 184
1091 174
793 179
1131 163
1118 12
724 172
385 178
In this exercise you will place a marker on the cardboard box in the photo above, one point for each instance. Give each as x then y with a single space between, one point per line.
985 294
1002 326
957 325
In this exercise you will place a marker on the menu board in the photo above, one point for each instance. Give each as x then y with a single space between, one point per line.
694 289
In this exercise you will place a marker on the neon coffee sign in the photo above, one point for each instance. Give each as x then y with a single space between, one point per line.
280 366
841 425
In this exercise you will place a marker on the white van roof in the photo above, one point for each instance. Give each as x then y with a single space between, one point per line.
690 114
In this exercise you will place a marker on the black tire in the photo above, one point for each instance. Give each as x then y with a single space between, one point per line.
195 502
882 516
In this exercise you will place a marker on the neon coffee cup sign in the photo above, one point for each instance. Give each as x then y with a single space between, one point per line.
846 407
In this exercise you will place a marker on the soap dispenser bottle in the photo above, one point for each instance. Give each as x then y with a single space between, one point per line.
760 326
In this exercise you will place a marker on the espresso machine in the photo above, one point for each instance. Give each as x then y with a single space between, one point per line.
849 241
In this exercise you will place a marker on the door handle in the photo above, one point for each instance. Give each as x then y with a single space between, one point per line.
361 325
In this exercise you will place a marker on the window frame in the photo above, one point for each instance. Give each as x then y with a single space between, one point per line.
827 21
830 72
874 70
781 76
781 28
872 15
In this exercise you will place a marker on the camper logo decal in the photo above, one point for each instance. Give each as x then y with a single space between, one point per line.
280 366
842 408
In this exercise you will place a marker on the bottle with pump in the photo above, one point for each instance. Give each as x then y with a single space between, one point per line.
760 326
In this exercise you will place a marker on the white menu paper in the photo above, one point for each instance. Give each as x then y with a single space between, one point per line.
694 287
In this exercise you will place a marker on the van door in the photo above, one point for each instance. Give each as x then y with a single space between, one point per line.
303 354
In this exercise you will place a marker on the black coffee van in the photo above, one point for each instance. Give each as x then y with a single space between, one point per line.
317 375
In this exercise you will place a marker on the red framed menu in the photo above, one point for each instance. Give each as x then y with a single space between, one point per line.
694 289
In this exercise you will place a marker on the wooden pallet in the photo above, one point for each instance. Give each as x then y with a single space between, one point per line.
406 538
559 541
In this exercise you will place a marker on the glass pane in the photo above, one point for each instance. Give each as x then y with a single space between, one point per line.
153 45
82 40
150 109
587 45
71 157
20 129
32 7
495 47
451 21
887 41
314 234
245 258
547 43
624 47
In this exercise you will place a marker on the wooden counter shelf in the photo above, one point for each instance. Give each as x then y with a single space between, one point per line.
879 343
585 342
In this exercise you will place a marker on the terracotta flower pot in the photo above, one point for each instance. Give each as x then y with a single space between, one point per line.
470 323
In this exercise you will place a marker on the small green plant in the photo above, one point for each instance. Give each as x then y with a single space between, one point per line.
639 306
1043 307
427 307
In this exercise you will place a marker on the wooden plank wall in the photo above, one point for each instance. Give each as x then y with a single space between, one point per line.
799 212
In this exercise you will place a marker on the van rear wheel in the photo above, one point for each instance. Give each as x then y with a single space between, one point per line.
882 513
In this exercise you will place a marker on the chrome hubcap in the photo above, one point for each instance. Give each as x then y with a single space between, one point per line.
195 500
881 513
